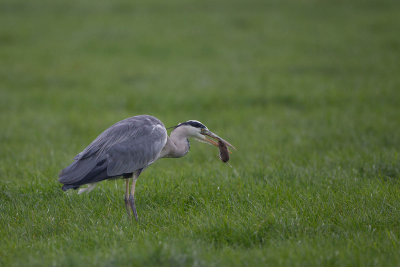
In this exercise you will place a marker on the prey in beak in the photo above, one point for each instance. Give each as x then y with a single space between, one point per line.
209 137
200 132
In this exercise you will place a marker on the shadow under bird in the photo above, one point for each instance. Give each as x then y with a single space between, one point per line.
127 148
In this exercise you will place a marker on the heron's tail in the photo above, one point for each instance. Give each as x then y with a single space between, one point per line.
83 171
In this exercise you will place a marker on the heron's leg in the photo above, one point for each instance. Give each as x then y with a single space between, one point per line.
128 209
132 197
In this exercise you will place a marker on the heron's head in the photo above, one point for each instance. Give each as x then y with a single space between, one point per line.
200 132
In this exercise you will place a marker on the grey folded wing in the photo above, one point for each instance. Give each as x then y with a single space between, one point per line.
125 147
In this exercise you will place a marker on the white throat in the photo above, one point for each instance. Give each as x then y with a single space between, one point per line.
178 143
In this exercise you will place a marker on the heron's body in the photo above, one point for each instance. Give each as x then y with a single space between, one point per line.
127 148
136 142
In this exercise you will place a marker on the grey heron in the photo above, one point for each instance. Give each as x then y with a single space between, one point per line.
127 148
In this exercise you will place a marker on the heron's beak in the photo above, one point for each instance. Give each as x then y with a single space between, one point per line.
215 137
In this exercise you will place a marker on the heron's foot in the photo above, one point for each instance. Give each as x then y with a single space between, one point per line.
127 206
133 207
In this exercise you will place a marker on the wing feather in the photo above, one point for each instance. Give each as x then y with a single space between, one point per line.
127 146
136 153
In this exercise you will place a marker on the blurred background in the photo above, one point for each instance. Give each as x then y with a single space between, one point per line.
308 90
293 72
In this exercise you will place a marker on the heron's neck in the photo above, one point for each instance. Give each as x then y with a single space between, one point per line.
177 144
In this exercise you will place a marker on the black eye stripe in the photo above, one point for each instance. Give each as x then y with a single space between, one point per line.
193 124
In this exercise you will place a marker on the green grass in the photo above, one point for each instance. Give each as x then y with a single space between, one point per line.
308 91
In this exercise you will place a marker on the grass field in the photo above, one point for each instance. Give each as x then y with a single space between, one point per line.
308 91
